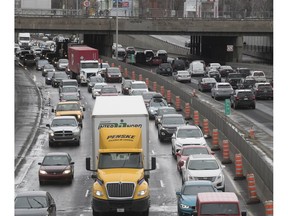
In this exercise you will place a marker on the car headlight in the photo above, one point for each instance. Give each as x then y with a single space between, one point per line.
98 193
178 144
220 177
163 128
183 206
78 116
67 171
43 172
142 193
191 177
51 133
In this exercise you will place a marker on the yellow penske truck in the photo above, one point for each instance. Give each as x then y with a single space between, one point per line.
120 159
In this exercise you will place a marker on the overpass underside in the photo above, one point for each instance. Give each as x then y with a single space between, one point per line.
101 42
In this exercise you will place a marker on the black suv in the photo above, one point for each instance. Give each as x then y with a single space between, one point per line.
243 98
246 83
165 69
243 71
168 125
57 77
178 64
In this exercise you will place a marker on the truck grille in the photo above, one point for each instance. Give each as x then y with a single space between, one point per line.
63 134
120 190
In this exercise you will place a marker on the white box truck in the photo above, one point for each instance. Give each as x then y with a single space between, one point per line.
120 155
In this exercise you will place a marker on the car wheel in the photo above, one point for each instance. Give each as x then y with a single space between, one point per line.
93 97
41 183
96 213
215 97
78 143
254 106
70 181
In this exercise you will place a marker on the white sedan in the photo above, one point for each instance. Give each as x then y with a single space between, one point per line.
182 76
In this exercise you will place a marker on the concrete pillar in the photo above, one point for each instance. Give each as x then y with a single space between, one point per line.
238 49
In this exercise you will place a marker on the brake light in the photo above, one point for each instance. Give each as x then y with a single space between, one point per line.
253 97
237 98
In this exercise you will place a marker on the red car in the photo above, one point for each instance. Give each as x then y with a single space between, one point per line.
155 61
187 150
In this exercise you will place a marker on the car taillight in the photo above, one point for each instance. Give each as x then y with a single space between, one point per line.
236 98
253 97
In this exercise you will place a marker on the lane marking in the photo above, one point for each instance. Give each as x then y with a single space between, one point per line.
86 194
162 184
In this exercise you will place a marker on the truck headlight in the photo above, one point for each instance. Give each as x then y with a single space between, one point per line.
98 193
142 193
51 133
183 206
78 116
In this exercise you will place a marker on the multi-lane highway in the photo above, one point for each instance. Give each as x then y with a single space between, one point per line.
75 199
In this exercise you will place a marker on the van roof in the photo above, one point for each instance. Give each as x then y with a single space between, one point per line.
212 197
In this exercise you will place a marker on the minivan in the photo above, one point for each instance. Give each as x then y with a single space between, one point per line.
211 203
196 68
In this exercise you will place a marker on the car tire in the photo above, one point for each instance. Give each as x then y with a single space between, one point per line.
96 213
254 106
41 183
78 142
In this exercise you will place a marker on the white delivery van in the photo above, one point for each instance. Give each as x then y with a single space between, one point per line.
196 68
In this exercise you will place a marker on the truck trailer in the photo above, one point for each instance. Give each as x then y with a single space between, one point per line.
80 59
120 155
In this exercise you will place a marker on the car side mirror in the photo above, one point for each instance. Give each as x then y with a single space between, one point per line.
178 193
72 163
48 125
52 205
178 153
39 163
83 108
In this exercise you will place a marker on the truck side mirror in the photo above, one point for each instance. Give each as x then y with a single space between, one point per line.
88 164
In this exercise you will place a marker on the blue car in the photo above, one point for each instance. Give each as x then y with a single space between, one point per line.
186 198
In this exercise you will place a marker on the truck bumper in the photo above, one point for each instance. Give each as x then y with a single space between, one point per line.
141 205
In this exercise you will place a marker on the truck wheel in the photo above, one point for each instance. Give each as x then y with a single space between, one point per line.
96 213
146 213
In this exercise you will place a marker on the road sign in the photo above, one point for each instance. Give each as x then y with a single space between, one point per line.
227 107
86 3
229 48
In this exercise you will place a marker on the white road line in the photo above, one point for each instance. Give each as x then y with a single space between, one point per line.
153 153
34 78
86 194
162 184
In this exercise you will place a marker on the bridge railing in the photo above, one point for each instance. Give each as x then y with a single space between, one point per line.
147 13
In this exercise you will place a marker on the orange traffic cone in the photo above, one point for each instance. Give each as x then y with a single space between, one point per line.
251 133
155 86
215 141
125 73
206 128
268 208
133 75
168 96
226 152
147 82
252 189
177 103
196 117
238 167
187 111
140 77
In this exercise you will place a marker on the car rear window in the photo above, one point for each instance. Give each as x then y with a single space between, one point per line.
243 94
219 209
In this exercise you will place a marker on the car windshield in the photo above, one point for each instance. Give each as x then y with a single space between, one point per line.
166 111
29 202
224 86
70 97
49 74
183 72
98 86
195 189
120 160
236 75
113 70
258 74
219 209
243 94
69 89
192 151
61 76
208 80
55 160
70 83
42 62
173 120
63 122
250 81
264 87
63 61
203 165
189 133
138 86
66 107
49 66
127 83
96 79
158 103
108 90
89 65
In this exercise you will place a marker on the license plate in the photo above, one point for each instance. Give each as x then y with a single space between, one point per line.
120 209
265 91
245 98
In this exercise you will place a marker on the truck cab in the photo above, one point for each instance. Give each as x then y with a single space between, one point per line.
88 68
24 40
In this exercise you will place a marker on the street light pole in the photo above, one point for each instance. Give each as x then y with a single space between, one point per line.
116 51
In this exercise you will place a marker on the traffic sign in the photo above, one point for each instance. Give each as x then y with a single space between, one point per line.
227 107
86 3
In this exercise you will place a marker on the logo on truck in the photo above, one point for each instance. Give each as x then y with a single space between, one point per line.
121 124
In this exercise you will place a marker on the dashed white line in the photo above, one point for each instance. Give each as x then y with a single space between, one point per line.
86 194
162 184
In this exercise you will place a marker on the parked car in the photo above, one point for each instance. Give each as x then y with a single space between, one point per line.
62 64
153 105
204 167
259 76
243 71
130 50
214 74
243 98
186 150
224 70
162 111
56 167
149 54
187 135
47 68
182 76
168 125
246 83
64 130
92 80
263 90
113 74
186 197
48 78
164 69
126 86
138 86
178 64
233 79
57 77
206 84
221 90
97 88
34 203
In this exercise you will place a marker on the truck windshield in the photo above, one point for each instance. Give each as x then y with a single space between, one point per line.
89 65
219 209
120 160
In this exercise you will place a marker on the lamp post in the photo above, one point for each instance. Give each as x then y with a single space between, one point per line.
116 51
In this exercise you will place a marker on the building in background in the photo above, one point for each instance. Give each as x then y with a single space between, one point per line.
201 8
